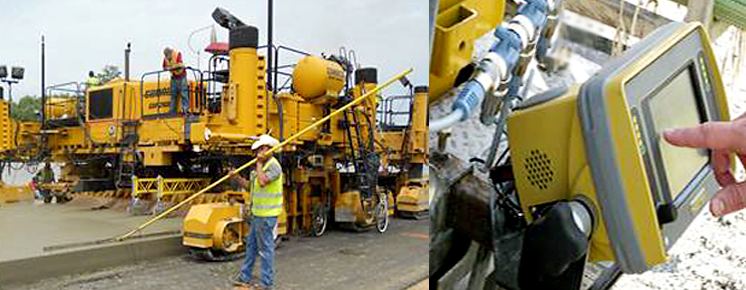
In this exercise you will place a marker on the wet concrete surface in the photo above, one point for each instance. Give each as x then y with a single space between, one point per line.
27 228
396 259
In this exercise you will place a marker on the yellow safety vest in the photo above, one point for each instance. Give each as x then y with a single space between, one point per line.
93 81
266 201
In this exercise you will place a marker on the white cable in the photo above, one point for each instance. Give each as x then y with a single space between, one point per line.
447 121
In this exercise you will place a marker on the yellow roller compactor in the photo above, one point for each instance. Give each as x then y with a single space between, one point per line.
118 140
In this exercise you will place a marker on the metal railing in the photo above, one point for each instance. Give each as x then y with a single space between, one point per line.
281 69
71 90
391 108
161 187
198 93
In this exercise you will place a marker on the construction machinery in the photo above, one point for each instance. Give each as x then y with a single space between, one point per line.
583 174
118 140
403 128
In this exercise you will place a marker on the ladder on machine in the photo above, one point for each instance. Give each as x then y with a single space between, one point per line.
358 159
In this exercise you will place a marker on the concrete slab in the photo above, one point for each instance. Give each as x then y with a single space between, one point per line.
40 240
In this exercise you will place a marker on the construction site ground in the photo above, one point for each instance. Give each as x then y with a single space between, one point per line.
55 235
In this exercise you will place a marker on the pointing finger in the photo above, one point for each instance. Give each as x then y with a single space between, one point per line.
713 135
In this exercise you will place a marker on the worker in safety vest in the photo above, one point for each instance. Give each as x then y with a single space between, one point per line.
45 176
265 187
173 62
92 80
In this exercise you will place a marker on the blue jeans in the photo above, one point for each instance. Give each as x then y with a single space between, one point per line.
260 235
179 87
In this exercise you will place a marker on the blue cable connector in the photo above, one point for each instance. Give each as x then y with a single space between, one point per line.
508 48
469 98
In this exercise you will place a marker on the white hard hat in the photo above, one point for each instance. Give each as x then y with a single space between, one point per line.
265 140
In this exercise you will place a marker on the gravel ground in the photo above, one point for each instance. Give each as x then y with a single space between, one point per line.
712 252
339 260
710 255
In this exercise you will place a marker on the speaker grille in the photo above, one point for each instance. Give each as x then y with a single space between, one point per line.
539 169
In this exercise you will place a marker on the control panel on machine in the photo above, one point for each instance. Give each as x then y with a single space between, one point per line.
594 155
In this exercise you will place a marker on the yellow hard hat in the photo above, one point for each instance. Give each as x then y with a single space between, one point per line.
265 140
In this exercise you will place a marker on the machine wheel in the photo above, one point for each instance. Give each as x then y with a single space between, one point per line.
64 198
320 220
232 238
381 214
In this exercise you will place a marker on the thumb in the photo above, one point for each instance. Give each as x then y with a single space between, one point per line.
729 199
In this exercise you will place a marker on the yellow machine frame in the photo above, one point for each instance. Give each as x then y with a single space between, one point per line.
458 24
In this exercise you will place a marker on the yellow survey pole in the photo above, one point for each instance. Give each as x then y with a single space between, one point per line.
273 149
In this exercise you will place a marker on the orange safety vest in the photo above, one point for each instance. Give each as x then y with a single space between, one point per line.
177 73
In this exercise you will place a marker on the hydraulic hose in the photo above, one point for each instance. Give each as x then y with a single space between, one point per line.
469 98
544 43
447 121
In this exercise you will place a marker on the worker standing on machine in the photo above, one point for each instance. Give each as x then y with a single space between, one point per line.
173 62
92 80
265 186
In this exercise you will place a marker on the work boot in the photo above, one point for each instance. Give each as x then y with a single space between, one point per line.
236 280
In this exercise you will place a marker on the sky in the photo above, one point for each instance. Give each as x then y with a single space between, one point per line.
83 35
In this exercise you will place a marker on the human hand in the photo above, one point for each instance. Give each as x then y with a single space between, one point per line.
232 172
259 162
724 139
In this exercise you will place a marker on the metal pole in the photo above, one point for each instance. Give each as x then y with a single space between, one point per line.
10 101
127 62
43 93
269 44
272 150
433 14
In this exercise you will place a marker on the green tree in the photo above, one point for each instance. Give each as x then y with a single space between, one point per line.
26 108
108 73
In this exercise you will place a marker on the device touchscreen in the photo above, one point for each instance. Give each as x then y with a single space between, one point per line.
675 106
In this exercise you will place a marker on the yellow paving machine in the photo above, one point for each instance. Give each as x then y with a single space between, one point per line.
119 140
